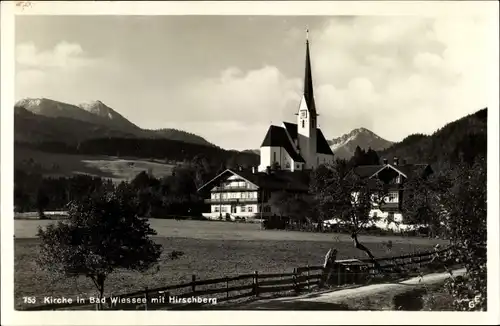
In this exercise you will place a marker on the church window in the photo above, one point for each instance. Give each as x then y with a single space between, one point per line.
303 123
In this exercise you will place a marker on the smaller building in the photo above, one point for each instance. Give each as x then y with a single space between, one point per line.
393 175
245 194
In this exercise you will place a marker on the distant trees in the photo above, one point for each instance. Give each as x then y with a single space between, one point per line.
33 192
362 157
297 208
157 197
103 233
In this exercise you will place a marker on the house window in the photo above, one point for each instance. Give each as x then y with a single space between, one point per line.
250 209
287 165
274 157
223 209
303 123
393 197
216 209
375 214
243 209
267 208
390 217
298 166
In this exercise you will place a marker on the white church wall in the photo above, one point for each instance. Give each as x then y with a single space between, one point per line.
269 155
265 157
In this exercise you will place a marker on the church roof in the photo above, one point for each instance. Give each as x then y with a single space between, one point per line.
276 137
322 146
308 84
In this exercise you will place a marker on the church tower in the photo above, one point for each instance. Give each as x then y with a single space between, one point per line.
307 118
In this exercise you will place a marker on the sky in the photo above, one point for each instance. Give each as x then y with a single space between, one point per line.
227 78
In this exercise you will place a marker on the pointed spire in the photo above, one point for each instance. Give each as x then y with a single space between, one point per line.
308 84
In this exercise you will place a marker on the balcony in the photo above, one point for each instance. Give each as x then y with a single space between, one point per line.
390 207
234 188
231 200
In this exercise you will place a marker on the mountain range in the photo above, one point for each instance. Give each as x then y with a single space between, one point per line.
344 146
41 119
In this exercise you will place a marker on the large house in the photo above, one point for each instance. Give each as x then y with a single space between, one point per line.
393 175
297 146
245 194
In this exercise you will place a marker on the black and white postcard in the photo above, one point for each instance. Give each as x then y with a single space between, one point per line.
249 162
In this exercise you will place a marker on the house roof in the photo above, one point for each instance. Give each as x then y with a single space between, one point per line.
276 137
322 146
408 170
275 180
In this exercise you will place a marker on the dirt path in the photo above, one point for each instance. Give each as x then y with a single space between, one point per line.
334 300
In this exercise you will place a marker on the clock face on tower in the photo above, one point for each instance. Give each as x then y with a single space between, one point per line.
303 114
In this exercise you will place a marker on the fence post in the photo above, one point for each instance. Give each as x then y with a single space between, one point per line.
308 275
295 281
256 283
339 274
193 283
146 298
227 287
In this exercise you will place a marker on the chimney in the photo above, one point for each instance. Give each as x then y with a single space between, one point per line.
396 160
268 169
385 161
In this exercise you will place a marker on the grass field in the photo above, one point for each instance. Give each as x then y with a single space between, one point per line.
212 250
113 168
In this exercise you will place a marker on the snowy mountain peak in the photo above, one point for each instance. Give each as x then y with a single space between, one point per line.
345 145
98 108
29 102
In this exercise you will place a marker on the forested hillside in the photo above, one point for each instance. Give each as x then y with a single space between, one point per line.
459 141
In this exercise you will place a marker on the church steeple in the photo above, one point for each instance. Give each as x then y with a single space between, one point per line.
308 84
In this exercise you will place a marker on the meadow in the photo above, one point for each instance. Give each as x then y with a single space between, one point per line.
66 165
211 250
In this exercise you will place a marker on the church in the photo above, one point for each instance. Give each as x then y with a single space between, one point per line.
287 153
297 146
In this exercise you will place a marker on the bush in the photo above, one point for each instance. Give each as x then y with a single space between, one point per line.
410 301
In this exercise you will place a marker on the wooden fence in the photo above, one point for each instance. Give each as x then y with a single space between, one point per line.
191 294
